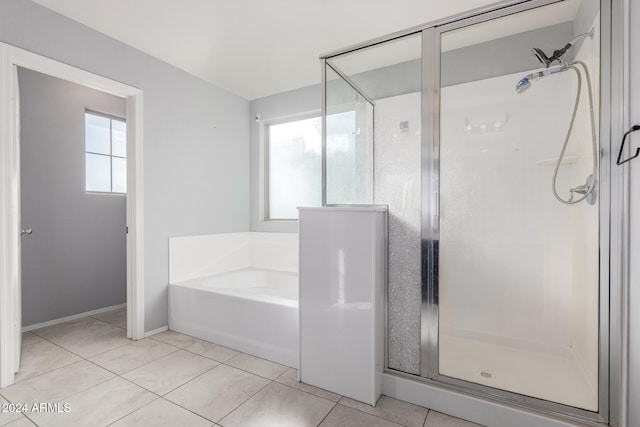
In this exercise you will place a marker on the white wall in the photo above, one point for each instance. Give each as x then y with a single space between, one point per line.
196 150
585 238
500 181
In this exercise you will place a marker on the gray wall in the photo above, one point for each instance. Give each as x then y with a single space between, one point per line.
285 105
634 256
75 260
196 137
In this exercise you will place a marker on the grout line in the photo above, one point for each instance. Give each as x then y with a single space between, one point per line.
327 414
211 358
248 399
143 406
310 393
132 369
53 369
373 415
192 379
252 373
201 416
426 417
187 409
138 385
129 341
27 417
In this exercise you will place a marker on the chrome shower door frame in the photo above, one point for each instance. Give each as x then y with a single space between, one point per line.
326 65
611 217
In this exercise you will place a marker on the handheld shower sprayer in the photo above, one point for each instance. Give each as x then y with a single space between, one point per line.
558 53
525 82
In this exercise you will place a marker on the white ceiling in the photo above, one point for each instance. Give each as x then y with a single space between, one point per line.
252 48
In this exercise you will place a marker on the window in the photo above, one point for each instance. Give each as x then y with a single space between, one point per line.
294 167
105 154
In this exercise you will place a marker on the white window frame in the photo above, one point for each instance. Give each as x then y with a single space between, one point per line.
264 163
111 118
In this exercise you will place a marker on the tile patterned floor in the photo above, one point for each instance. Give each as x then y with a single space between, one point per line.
91 375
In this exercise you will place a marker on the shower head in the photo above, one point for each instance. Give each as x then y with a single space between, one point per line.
548 60
542 57
558 53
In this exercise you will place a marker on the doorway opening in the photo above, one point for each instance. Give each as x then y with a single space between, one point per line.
10 214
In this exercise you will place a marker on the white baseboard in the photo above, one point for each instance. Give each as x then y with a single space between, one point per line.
73 317
156 331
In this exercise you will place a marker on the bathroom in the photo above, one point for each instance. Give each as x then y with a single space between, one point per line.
519 133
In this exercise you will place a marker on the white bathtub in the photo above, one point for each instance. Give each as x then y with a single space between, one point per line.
251 309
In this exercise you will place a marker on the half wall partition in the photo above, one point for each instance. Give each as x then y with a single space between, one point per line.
482 134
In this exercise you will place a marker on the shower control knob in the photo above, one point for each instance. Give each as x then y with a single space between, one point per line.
26 231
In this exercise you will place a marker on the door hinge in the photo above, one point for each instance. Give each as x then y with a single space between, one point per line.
127 229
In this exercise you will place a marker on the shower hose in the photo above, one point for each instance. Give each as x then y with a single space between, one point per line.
590 186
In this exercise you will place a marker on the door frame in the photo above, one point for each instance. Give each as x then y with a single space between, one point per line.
12 57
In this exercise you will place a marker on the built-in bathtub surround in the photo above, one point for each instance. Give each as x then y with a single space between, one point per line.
239 290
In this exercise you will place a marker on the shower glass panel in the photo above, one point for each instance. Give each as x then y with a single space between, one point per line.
518 260
389 75
349 142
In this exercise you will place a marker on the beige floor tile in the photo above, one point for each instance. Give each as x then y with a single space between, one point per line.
40 356
257 366
176 339
72 328
21 422
162 413
438 419
278 405
10 415
391 409
28 337
58 384
117 317
217 392
86 337
342 416
170 371
99 406
290 378
132 355
212 351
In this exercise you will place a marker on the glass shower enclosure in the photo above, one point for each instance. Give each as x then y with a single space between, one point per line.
482 135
